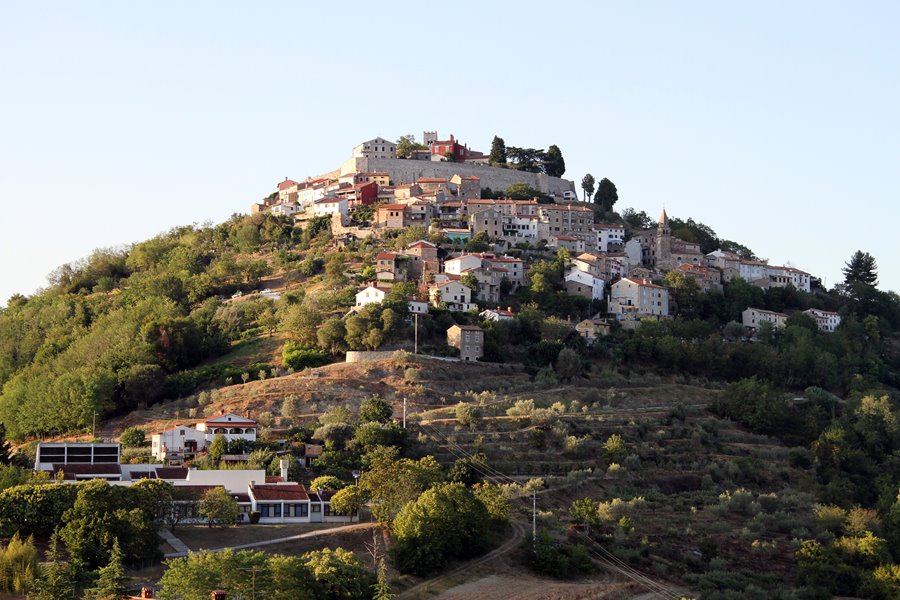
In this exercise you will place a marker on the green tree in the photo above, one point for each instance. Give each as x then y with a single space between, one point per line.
348 500
375 408
219 508
607 195
587 186
133 437
614 446
331 334
111 582
553 162
340 574
326 482
522 191
525 159
498 151
468 414
382 586
217 448
446 522
568 364
861 269
391 481
57 577
406 144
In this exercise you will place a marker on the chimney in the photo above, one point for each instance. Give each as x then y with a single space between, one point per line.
219 595
147 592
283 463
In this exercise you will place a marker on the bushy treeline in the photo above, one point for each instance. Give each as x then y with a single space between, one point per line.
119 329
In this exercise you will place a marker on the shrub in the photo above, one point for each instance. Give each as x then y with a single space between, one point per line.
133 437
254 517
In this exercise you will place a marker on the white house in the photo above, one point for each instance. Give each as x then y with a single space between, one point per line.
461 264
454 294
753 317
330 206
372 294
376 148
232 426
292 503
609 235
827 321
417 306
579 283
635 298
497 314
178 442
285 209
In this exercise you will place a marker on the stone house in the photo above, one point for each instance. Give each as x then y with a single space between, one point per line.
826 321
392 216
375 148
469 339
634 299
579 283
752 318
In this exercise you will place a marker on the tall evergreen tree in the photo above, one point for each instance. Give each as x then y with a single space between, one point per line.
498 151
111 583
587 185
554 163
606 195
861 269
56 579
382 587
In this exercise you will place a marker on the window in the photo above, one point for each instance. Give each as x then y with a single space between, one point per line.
277 511
264 510
316 508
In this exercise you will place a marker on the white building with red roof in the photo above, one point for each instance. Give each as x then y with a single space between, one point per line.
636 298
231 425
372 294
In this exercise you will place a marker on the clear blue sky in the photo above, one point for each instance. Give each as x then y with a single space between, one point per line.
774 123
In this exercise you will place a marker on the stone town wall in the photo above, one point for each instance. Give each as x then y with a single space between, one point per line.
408 171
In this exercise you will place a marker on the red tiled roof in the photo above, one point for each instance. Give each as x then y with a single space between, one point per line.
286 184
292 491
274 479
392 207
642 282
430 180
386 256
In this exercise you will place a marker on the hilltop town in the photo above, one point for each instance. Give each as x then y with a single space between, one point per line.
439 187
425 355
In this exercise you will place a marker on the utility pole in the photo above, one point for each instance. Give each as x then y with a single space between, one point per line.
416 343
404 412
534 520
253 570
94 425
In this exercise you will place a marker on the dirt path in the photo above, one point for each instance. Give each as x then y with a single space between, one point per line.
422 590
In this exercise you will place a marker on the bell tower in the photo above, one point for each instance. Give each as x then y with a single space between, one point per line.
663 242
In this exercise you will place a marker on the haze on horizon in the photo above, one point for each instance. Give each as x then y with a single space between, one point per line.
775 125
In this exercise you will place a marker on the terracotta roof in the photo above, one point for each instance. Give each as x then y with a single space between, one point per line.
274 479
287 183
291 491
430 180
392 207
642 282
472 177
386 256
422 244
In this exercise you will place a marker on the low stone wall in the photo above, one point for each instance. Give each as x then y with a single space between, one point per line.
359 356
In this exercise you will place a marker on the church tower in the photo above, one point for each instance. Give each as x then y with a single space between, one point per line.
663 242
